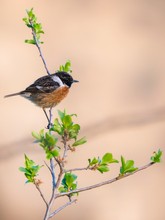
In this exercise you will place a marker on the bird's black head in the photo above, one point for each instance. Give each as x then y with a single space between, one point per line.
66 78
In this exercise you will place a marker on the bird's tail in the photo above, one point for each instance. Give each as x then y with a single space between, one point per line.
10 95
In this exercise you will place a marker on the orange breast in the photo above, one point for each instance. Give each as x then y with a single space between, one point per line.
47 100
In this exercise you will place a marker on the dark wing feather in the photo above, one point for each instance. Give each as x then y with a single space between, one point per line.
44 84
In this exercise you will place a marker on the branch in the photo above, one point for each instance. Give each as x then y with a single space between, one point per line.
77 169
53 174
39 49
41 194
62 207
64 140
51 169
60 173
48 167
53 190
105 182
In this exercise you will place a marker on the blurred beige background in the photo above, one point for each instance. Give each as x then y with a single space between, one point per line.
117 49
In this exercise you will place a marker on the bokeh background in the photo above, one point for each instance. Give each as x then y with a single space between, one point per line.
117 50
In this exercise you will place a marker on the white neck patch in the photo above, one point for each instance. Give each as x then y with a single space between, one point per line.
58 80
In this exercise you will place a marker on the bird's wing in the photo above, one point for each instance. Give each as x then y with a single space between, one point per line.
44 84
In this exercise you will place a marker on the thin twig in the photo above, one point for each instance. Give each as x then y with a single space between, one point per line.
41 194
50 204
49 124
64 140
62 207
105 182
50 114
53 174
39 49
61 163
60 173
48 167
77 169
52 171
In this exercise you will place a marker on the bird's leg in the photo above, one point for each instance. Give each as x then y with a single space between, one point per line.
48 118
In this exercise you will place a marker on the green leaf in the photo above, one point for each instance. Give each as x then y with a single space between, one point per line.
67 121
36 135
51 153
28 172
30 41
22 169
129 163
62 189
70 178
42 133
61 68
30 178
93 161
27 181
28 163
108 158
66 67
156 158
68 182
55 153
36 168
26 21
131 170
61 114
103 168
79 142
30 13
127 166
74 130
57 127
51 140
74 186
123 162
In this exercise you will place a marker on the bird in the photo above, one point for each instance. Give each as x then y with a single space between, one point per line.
48 91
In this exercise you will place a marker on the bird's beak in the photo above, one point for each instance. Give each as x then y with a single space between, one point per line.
75 81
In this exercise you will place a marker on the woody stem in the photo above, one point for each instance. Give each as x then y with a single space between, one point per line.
39 49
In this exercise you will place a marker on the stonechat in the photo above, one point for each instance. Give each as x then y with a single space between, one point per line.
48 91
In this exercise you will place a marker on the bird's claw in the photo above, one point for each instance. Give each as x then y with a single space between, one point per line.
49 125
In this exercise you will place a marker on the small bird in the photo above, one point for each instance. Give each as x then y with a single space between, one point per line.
48 91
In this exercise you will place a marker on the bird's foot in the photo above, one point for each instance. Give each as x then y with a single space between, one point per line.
49 125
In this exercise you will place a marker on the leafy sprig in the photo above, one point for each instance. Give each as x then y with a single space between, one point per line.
31 22
48 142
127 166
30 170
102 165
64 126
68 183
156 158
66 67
